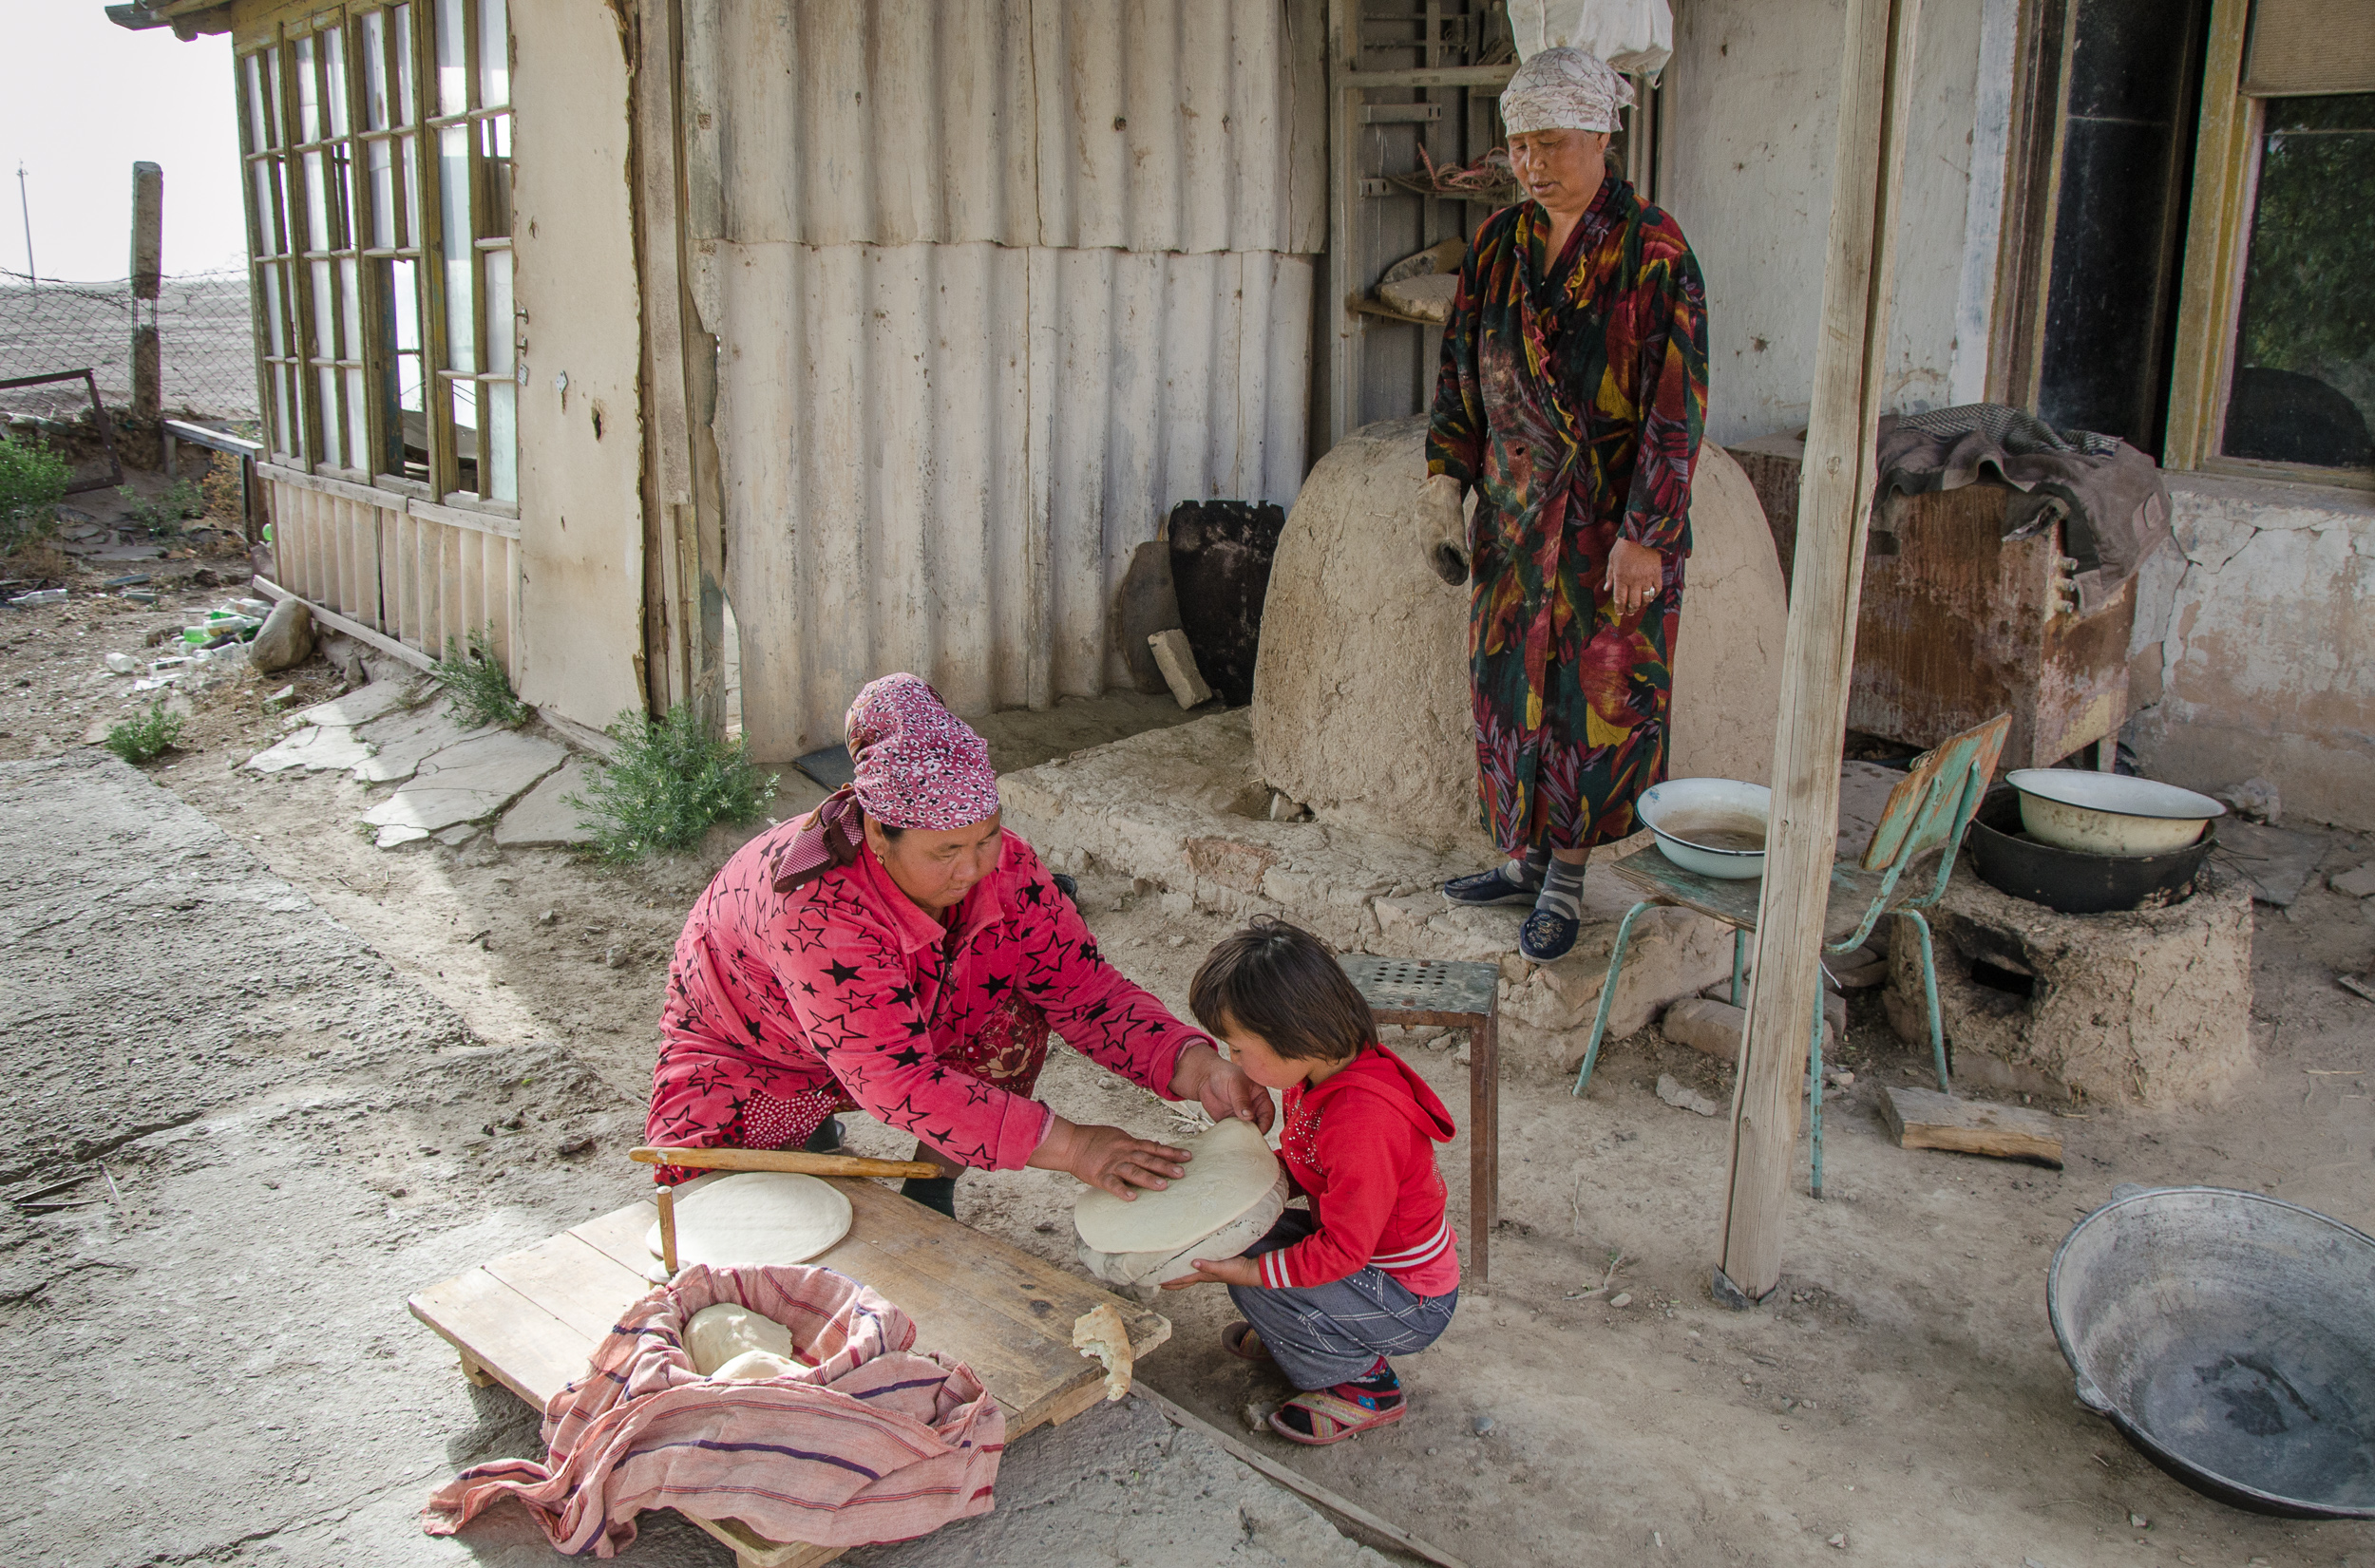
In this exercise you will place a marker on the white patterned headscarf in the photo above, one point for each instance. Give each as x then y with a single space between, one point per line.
1564 90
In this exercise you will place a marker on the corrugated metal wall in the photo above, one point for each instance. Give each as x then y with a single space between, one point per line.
995 283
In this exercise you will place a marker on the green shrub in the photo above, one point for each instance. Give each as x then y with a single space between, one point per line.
164 516
32 481
145 739
481 691
670 781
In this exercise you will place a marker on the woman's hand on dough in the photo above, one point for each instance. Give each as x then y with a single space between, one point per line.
1222 1087
1219 1271
1635 575
1108 1157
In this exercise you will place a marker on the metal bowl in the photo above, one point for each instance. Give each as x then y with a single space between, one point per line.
2071 881
2231 1337
2109 813
1672 809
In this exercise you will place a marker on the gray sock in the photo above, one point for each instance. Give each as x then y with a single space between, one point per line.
1563 890
1526 870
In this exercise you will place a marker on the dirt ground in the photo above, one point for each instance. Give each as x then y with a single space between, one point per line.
1902 1402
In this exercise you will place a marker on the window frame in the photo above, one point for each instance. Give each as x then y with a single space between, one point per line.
2218 254
335 351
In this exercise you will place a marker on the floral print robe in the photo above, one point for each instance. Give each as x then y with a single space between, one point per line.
1571 397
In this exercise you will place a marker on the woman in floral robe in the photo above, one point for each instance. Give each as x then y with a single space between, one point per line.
1571 398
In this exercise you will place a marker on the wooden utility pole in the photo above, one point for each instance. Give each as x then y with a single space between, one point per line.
148 245
1834 498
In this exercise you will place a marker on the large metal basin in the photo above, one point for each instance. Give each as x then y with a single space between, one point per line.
2230 1336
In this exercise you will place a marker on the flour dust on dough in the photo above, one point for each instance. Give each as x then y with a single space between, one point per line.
757 1217
717 1336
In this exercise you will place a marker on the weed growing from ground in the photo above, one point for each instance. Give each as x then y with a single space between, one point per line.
669 783
32 481
481 691
145 739
164 516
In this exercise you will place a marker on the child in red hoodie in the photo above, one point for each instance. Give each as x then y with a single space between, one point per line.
1371 1270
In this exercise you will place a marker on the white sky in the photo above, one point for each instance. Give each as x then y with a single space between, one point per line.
82 101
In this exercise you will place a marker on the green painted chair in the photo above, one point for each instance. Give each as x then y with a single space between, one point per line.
1928 812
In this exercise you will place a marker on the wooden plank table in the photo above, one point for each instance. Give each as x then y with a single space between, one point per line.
531 1320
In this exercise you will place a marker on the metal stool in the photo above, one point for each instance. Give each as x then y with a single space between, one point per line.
1457 995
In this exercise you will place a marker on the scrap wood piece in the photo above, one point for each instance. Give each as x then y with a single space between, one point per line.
1923 1119
2352 983
1101 1332
1300 1484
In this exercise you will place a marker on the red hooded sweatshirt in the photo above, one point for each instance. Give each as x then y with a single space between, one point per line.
1363 1145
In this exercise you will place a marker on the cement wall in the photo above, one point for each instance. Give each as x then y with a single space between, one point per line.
1747 149
2255 646
580 431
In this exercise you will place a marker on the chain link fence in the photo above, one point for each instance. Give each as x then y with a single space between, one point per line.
202 319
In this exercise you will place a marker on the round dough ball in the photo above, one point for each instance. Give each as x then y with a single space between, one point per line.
718 1334
757 1217
753 1366
1233 1170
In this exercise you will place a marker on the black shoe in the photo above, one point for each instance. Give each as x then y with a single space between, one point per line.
1487 888
826 1139
934 1192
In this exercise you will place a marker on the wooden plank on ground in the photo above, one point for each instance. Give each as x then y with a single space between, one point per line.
1923 1119
532 1352
1295 1480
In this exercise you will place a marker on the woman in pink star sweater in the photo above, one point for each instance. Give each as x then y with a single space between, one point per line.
898 952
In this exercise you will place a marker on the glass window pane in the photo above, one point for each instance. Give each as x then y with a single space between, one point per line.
325 309
464 399
309 93
461 329
500 327
269 234
495 160
341 164
358 422
2304 388
374 43
403 64
384 226
350 286
453 76
499 441
494 54
275 333
333 443
316 202
285 410
333 45
261 123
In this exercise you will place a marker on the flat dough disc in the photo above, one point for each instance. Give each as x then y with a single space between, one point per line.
1233 1169
757 1217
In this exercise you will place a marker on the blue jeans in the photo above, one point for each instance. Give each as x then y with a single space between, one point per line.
1324 1334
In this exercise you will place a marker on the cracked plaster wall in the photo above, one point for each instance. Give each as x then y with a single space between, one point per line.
2255 646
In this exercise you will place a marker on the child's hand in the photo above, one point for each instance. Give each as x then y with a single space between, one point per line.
1222 1271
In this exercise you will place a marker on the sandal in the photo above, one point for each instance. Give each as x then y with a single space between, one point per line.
1334 1418
1243 1341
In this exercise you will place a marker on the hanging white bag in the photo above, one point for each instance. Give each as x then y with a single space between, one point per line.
1631 37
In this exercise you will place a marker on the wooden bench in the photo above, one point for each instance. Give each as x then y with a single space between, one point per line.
531 1320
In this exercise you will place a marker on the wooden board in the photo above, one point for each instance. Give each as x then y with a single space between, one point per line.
532 1318
1923 1119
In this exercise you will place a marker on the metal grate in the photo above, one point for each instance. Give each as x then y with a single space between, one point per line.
1426 985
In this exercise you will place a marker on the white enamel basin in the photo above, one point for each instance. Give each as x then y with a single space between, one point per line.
1680 808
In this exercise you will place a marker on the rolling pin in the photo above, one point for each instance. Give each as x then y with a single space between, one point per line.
796 1161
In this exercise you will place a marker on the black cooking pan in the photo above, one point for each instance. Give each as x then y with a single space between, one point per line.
2066 879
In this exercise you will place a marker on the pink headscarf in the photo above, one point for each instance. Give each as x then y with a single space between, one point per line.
919 765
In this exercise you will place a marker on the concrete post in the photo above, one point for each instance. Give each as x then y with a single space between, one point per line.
148 244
